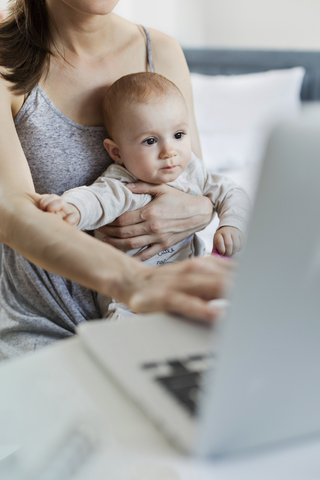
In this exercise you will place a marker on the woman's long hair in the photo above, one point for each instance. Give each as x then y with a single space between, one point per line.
24 44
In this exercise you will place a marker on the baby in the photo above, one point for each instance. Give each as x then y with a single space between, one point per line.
146 119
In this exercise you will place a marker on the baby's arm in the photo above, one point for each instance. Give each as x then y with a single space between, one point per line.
100 203
233 207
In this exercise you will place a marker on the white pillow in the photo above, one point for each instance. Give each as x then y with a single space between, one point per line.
235 114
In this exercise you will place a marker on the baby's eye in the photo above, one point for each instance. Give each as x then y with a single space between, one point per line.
150 141
179 135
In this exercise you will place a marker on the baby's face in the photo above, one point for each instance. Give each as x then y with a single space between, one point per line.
154 140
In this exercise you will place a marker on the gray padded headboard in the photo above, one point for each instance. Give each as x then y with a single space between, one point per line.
235 62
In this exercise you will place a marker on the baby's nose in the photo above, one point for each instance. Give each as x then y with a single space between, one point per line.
167 150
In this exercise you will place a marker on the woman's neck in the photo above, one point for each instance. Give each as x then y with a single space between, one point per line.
78 33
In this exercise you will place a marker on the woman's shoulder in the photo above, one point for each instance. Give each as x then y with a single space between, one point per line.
166 51
162 40
169 61
168 57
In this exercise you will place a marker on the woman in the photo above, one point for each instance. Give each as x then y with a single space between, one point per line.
58 58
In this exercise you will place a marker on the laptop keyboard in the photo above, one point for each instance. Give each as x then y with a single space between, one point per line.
182 378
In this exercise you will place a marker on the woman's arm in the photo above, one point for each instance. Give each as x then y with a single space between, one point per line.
46 240
172 215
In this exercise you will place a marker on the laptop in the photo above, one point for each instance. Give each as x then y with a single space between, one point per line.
251 380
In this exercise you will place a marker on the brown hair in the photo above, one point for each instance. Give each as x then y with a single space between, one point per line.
24 44
142 87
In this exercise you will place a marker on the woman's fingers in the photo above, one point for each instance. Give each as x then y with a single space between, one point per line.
150 252
125 231
151 189
126 219
184 288
127 244
207 286
164 241
176 303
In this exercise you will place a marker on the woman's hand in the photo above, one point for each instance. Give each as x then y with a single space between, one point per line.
171 217
184 288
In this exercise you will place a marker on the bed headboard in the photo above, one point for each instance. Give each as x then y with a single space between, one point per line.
235 62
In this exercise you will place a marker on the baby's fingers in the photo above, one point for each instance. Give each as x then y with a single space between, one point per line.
51 203
228 243
71 218
223 242
238 242
55 204
44 201
219 243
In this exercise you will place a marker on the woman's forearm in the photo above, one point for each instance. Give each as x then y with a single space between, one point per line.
49 242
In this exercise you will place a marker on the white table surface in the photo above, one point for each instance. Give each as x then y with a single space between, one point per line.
46 397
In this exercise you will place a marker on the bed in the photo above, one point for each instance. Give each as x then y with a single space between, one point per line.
236 62
224 82
239 97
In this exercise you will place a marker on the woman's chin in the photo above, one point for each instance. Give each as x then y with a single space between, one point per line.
92 7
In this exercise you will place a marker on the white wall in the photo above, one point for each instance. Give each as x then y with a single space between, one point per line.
286 24
182 19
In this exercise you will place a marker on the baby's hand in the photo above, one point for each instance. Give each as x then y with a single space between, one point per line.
228 241
55 204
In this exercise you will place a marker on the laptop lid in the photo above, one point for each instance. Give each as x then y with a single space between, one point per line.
266 387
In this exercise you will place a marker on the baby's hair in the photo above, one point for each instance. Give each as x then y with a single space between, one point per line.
142 87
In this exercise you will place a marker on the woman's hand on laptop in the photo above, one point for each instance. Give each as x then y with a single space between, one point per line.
184 288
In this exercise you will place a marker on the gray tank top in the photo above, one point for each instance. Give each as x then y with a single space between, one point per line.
38 307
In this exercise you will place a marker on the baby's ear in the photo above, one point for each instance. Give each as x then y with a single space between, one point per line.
113 150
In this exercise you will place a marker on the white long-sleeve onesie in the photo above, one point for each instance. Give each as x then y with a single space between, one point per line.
108 197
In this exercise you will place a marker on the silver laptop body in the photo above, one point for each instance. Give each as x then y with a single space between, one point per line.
253 380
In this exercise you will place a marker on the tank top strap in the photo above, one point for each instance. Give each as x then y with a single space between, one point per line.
149 49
